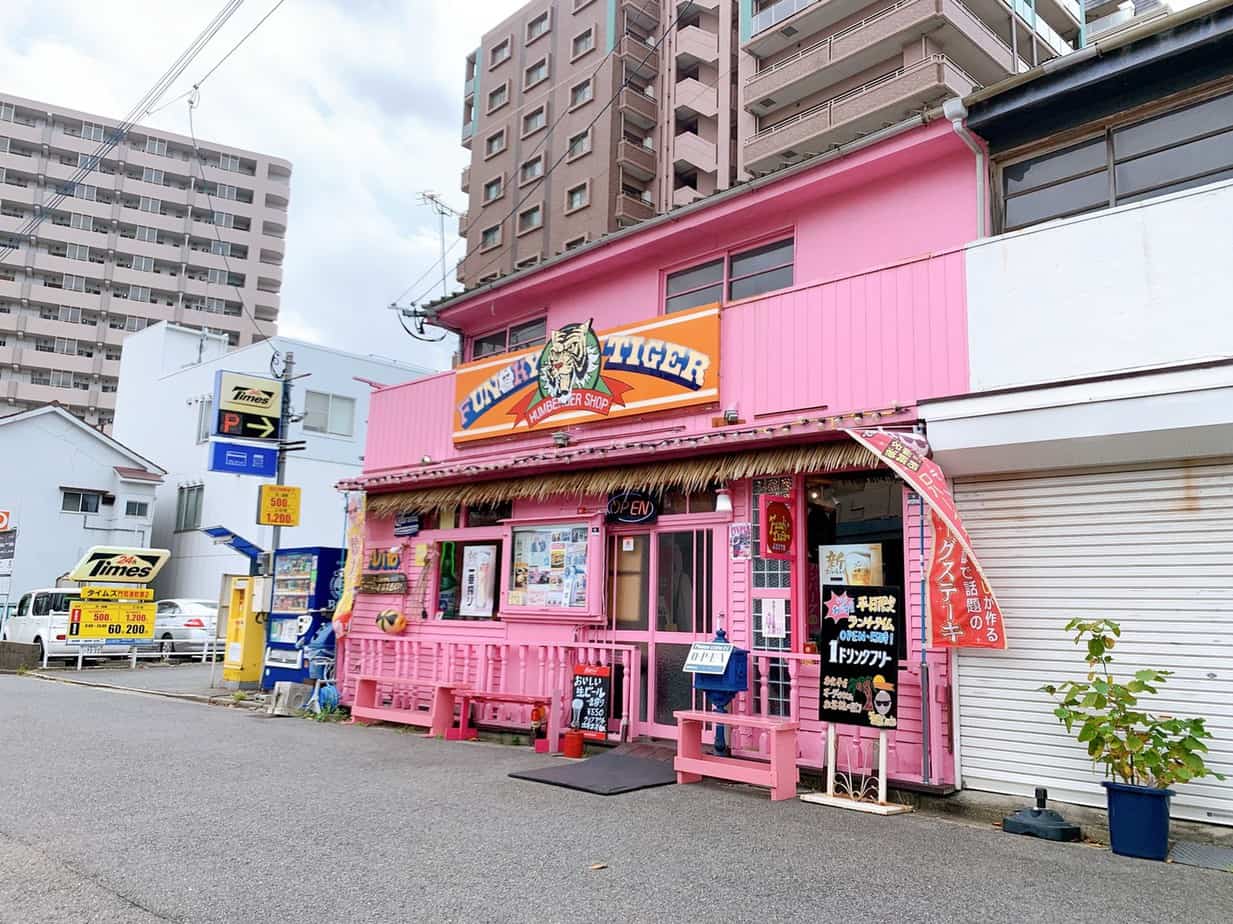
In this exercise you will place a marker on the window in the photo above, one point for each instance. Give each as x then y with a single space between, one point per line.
216 277
1176 150
490 237
66 346
500 53
560 579
579 144
137 294
494 144
149 235
136 508
92 132
582 43
578 197
142 264
537 27
81 382
80 502
74 283
498 97
530 219
534 120
699 285
229 162
493 189
532 169
152 175
205 419
214 306
77 252
81 222
89 161
6 112
763 269
581 93
331 414
575 243
536 73
516 337
527 262
220 248
188 507
150 205
156 146
222 219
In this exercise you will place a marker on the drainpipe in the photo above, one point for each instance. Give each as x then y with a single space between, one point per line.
956 112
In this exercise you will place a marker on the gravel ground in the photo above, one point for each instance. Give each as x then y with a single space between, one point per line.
130 808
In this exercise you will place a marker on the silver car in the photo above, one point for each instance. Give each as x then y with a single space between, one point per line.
184 626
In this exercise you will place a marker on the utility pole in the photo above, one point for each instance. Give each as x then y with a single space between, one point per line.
432 199
280 477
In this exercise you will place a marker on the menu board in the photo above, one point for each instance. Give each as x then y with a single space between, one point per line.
859 644
596 688
549 566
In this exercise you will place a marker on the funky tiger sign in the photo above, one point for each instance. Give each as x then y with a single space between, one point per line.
581 375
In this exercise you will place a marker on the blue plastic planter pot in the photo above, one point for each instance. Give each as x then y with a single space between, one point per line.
1138 820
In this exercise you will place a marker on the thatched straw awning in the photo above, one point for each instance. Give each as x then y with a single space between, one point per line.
694 474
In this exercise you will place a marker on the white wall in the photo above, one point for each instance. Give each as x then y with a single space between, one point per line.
1141 285
38 456
161 389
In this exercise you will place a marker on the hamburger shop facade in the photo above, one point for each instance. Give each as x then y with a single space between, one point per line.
652 438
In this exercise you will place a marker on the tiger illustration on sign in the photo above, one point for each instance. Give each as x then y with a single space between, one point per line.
570 360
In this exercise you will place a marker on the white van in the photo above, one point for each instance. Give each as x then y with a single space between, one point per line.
42 618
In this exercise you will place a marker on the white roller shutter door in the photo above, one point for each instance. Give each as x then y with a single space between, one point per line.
1150 547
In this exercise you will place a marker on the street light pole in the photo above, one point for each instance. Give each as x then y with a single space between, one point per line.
280 477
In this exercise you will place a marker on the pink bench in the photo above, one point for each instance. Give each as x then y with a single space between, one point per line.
692 764
438 719
467 697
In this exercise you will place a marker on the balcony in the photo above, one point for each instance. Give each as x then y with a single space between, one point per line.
694 46
867 108
466 180
689 151
463 220
683 195
967 40
693 97
780 25
468 131
640 54
630 209
643 12
636 160
639 108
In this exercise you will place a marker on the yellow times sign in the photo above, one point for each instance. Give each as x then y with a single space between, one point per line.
116 594
278 505
112 623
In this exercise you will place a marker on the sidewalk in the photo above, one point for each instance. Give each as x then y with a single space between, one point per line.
179 680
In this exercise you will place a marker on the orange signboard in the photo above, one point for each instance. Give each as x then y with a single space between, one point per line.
581 376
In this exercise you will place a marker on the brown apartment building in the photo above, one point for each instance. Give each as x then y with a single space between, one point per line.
705 93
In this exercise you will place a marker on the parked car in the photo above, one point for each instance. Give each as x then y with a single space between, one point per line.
42 618
184 626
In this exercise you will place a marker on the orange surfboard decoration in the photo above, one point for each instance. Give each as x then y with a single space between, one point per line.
580 375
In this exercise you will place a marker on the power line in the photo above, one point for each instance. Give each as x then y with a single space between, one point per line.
683 11
140 110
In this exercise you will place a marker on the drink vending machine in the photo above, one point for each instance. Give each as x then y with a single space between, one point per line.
307 585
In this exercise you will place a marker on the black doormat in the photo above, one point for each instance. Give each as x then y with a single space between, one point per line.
605 774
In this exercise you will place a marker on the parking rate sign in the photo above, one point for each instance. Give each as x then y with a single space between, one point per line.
278 505
110 623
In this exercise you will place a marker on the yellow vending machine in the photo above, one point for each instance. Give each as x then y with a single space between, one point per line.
245 649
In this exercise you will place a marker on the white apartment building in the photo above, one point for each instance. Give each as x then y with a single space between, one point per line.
164 409
153 233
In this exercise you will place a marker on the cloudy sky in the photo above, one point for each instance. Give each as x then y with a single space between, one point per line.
364 97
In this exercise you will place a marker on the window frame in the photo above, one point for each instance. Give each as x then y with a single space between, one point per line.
574 53
523 180
189 500
538 226
331 398
507 331
589 84
546 16
570 156
507 44
499 133
726 279
535 65
542 111
485 199
130 504
502 87
81 498
484 248
585 186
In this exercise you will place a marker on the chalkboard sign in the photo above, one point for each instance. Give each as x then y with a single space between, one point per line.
859 644
596 690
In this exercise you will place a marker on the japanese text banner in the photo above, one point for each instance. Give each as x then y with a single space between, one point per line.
963 611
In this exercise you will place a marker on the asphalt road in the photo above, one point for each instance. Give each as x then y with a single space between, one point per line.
128 808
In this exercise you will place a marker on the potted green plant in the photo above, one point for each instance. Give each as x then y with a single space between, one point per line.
1143 754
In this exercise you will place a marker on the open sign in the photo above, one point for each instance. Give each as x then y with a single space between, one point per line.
632 507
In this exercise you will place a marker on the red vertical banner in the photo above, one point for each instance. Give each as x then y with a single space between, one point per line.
777 527
963 611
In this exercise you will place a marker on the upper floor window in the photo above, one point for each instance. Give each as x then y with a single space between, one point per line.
498 97
536 73
332 414
499 54
490 237
156 146
493 189
188 507
508 339
494 144
531 219
1126 162
531 169
579 144
80 501
537 26
741 275
136 508
581 93
582 43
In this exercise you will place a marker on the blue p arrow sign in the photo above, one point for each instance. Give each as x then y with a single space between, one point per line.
238 459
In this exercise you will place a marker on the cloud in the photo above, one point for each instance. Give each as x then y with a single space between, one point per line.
364 97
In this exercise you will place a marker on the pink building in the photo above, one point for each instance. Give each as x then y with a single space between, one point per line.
708 358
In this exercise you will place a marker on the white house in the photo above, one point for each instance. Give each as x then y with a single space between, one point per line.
164 408
65 486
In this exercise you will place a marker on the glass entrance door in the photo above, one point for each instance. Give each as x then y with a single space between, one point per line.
662 588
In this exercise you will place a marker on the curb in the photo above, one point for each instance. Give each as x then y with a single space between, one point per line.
220 700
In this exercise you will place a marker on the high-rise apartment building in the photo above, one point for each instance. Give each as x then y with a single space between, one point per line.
705 93
153 233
